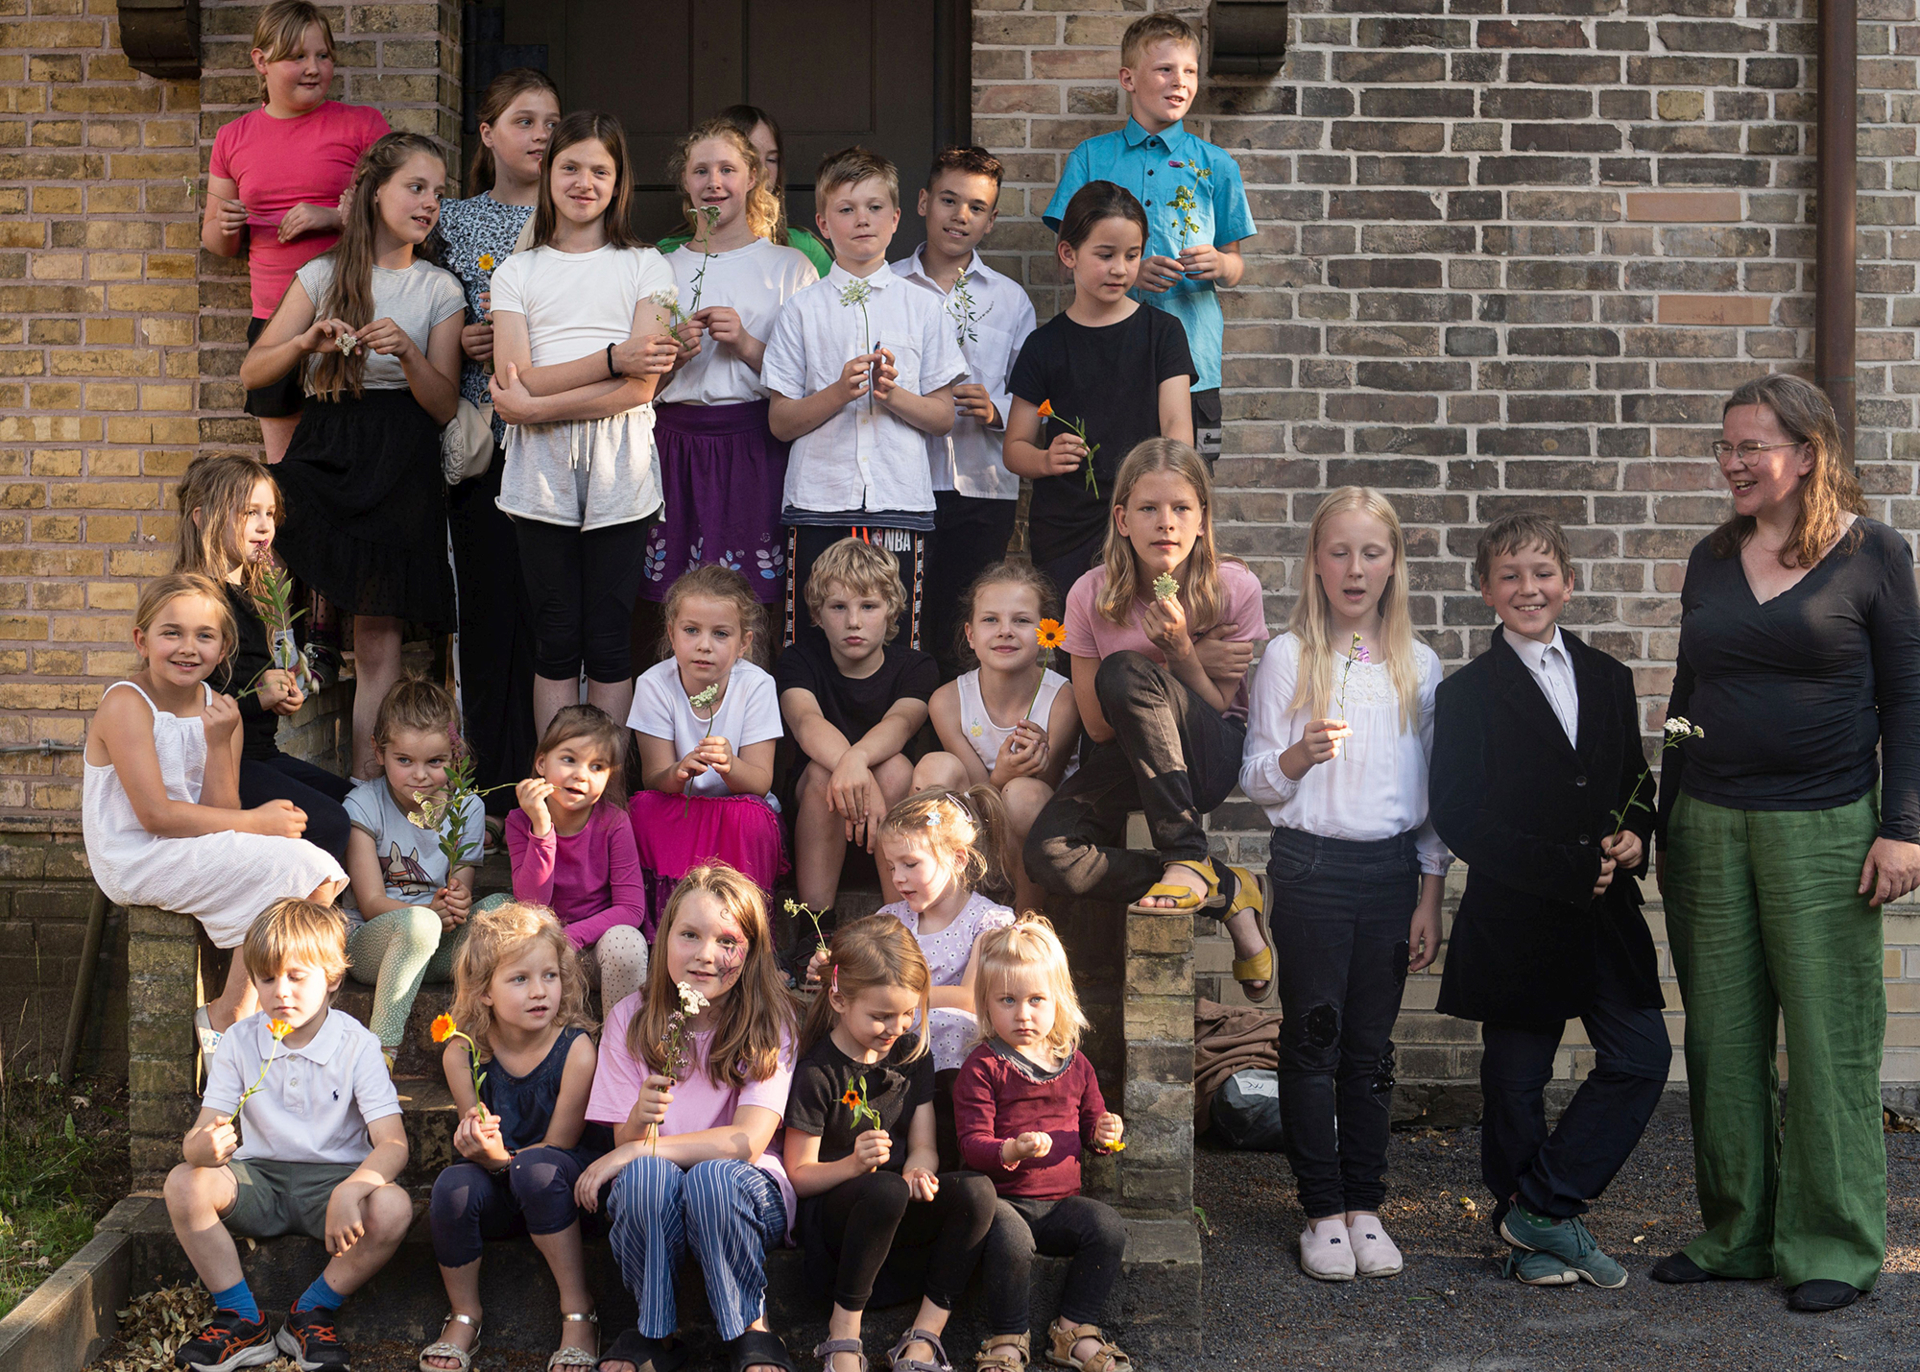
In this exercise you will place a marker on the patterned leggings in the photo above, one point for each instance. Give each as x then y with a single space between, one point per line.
616 963
396 952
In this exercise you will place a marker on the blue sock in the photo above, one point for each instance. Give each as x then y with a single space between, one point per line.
319 1296
239 1299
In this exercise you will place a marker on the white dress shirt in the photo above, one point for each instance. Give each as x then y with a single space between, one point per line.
1549 665
863 457
1377 787
991 318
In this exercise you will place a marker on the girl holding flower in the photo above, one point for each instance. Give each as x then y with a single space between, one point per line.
1338 738
693 1164
520 1062
861 1151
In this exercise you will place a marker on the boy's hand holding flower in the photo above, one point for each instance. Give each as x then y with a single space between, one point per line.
886 376
1625 848
223 1139
1201 262
872 1149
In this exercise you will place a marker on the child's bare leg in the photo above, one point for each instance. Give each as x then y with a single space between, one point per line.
276 434
931 1320
819 840
561 1249
386 1212
843 1324
550 696
463 1298
237 997
895 776
615 697
939 772
1025 797
195 1198
376 666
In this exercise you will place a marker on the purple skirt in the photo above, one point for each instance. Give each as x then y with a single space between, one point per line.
721 476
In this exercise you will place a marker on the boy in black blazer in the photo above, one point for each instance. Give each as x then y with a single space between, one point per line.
1536 743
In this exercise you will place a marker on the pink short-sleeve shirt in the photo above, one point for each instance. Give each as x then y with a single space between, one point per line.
1091 634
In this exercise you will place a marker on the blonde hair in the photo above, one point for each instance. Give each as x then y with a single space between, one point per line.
1312 622
718 582
281 30
296 930
1149 29
874 951
1031 942
763 210
851 166
496 936
157 594
418 706
750 1023
864 570
967 830
219 488
1199 576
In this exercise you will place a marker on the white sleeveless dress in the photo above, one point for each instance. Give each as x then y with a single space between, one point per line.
986 736
953 1032
223 880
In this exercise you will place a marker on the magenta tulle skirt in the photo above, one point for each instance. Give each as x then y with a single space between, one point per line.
677 833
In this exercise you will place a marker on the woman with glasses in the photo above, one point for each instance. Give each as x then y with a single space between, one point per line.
1783 834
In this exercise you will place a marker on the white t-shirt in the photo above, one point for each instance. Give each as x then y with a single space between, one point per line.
316 1102
754 282
749 713
575 303
416 298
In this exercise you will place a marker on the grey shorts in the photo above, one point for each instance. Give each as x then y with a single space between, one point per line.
283 1197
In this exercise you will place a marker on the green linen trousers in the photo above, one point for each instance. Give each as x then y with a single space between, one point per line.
1764 920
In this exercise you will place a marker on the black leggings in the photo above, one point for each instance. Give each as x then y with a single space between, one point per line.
581 586
1077 1227
496 635
863 1220
314 789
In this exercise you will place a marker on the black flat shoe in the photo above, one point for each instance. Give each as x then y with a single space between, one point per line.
1677 1269
1819 1296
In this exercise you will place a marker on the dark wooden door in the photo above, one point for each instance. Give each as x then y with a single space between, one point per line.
890 74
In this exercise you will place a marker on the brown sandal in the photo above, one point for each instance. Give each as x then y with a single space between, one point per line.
1106 1358
986 1360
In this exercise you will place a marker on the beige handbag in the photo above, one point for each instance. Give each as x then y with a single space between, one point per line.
466 444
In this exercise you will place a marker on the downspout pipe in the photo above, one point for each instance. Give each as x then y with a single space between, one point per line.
1835 187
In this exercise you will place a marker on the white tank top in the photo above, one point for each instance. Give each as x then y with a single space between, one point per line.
986 736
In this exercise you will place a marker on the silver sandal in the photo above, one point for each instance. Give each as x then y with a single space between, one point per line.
897 1361
572 1356
443 1349
826 1351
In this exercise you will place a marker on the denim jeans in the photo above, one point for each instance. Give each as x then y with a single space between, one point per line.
1340 914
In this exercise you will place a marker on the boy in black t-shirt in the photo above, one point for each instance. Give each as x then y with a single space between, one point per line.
851 698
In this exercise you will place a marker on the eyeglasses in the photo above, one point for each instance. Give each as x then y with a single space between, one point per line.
1723 450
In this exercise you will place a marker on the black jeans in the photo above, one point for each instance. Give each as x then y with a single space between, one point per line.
1557 1174
1172 755
1077 1227
866 1219
1340 912
971 533
496 635
314 789
581 586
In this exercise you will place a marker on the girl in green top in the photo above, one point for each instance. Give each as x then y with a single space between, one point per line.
764 135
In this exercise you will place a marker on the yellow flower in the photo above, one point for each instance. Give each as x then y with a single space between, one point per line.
444 1028
486 261
279 1028
1050 634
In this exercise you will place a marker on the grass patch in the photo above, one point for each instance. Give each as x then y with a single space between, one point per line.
63 1164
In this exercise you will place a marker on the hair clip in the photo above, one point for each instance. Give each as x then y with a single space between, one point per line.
933 814
834 985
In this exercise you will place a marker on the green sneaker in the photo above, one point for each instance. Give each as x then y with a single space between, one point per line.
1538 1269
1567 1240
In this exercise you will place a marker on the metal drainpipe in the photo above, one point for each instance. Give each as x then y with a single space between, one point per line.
1833 351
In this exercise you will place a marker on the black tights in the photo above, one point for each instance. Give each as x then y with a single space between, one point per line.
865 1219
1078 1227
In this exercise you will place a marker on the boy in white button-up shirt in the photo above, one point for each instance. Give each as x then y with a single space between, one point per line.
861 367
299 1133
974 494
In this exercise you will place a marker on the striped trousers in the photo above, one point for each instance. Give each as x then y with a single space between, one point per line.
727 1212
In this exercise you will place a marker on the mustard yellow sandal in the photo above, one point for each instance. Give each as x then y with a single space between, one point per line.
1184 899
1250 893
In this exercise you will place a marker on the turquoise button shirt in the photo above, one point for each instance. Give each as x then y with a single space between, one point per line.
1141 162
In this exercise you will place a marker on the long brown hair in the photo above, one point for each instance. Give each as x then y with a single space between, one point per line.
600 729
1312 622
756 1015
1200 575
495 101
1829 492
763 207
349 296
218 488
584 126
497 934
1007 571
869 952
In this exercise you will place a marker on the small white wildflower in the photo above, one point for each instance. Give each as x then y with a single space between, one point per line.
691 1000
1680 727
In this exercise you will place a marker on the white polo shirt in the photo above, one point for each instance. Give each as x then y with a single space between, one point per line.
990 317
316 1102
863 457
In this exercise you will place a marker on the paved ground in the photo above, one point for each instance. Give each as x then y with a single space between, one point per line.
1451 1312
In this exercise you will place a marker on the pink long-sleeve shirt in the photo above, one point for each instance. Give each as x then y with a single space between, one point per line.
591 879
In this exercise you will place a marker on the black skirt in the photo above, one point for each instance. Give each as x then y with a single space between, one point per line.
366 507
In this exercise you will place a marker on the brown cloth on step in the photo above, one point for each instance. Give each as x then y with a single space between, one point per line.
1229 1039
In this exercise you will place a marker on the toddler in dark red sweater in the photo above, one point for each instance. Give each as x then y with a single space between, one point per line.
1025 1104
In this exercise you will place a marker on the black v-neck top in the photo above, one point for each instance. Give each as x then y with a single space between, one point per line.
1796 694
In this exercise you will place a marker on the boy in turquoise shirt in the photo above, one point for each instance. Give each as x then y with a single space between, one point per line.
1196 206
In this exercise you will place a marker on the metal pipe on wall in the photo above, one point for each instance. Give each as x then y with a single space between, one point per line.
1835 185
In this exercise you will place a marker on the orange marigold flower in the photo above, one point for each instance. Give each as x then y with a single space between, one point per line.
279 1028
444 1028
851 1099
1050 634
1046 409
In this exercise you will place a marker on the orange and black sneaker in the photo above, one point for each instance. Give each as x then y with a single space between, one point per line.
310 1343
229 1342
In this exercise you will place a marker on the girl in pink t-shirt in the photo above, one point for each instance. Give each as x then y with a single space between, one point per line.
1160 638
276 178
695 1165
